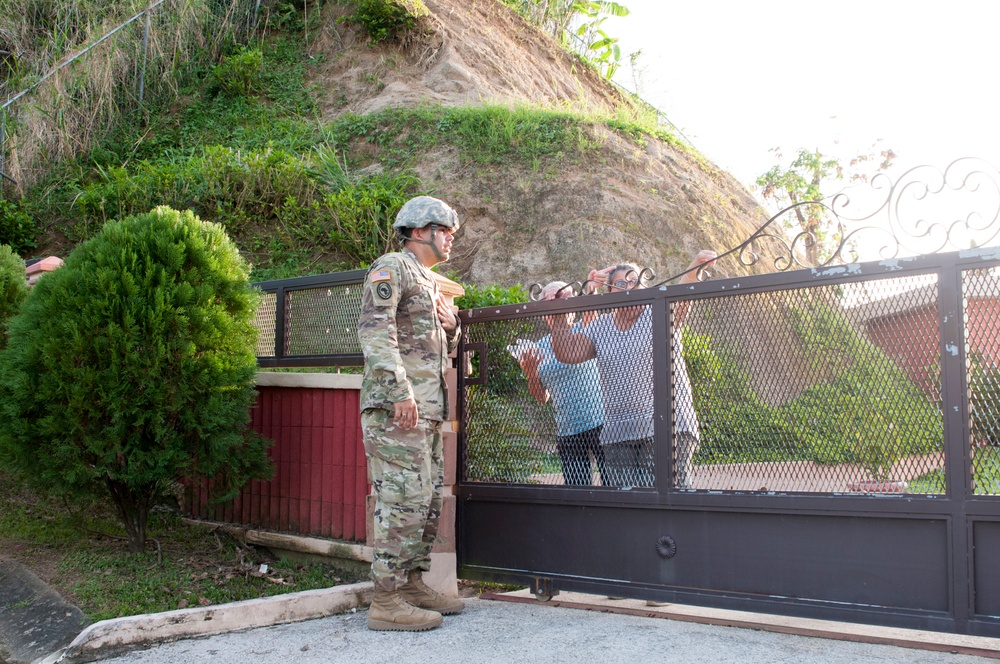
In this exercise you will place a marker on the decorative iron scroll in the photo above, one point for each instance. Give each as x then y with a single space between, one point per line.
916 214
642 276
924 211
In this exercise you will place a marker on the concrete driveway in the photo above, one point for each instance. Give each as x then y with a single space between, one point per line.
491 631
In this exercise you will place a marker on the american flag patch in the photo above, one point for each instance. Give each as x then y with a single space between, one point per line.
382 275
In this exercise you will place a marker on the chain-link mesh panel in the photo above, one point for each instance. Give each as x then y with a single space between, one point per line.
982 350
323 321
827 389
264 321
561 401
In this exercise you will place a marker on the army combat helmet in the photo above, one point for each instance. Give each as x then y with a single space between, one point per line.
423 211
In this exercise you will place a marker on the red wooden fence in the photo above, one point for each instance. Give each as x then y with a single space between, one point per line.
320 479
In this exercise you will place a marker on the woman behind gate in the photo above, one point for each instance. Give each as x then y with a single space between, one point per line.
575 391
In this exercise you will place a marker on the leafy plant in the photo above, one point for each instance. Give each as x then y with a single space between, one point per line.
386 20
133 365
296 15
736 425
17 226
500 442
860 408
361 206
240 74
489 296
984 393
13 289
577 25
865 399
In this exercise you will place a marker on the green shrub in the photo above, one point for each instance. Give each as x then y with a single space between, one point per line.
500 443
384 20
17 226
216 181
360 208
867 411
736 425
489 296
133 366
13 289
240 74
861 408
984 392
250 192
296 15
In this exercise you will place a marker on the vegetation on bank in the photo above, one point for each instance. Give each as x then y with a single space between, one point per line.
133 366
860 406
81 550
13 289
245 148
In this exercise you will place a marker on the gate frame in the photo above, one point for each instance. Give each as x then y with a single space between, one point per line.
958 507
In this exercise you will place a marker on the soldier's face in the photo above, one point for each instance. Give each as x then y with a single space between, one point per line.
443 239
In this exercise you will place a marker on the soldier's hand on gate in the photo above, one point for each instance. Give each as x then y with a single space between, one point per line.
447 314
406 414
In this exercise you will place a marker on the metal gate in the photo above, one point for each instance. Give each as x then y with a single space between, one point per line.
832 452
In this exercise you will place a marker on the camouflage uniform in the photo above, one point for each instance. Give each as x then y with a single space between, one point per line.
406 356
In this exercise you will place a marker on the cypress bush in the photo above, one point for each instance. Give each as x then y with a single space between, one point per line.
13 288
133 366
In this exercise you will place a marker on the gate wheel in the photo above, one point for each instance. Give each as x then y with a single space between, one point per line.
542 589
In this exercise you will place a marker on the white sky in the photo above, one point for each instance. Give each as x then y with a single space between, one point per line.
739 77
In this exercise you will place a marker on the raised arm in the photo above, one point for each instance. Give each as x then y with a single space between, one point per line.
569 347
529 364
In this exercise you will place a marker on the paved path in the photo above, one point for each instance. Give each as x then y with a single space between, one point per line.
781 476
493 632
34 619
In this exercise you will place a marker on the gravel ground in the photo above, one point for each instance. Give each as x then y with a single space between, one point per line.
493 632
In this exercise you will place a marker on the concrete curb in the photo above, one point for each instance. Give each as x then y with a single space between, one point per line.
109 637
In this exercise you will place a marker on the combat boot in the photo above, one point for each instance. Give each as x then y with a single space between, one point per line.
389 611
417 593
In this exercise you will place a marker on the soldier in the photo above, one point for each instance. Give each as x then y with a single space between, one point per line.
406 331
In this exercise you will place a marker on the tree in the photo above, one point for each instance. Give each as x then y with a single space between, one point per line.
132 366
13 288
807 179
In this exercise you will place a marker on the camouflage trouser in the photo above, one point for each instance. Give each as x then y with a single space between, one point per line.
407 473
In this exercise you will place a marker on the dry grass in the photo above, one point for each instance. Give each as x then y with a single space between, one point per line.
86 99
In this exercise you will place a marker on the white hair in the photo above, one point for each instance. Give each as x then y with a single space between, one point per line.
551 289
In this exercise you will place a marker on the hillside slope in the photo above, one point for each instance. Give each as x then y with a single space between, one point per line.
464 53
635 197
303 141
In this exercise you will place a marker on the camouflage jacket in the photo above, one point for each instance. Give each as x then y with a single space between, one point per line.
406 349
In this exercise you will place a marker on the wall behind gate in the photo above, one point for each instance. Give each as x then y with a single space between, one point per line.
320 481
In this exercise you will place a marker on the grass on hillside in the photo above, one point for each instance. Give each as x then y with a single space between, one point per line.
84 556
244 146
